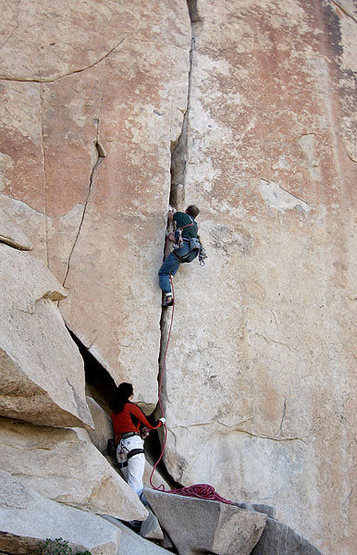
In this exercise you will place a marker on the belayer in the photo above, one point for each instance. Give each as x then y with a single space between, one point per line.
130 427
187 248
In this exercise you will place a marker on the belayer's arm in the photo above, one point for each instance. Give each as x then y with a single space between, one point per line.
136 411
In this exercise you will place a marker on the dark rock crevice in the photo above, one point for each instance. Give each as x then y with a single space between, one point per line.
101 387
344 10
179 149
99 383
179 161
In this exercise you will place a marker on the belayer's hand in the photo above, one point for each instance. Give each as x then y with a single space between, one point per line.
163 420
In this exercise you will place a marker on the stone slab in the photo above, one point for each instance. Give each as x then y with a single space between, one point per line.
197 525
42 374
63 465
26 518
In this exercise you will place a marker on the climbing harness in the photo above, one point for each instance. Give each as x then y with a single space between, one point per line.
202 491
178 233
186 248
122 456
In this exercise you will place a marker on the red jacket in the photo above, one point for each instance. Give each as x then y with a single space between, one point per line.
129 420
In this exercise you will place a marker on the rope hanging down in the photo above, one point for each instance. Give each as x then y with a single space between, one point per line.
202 491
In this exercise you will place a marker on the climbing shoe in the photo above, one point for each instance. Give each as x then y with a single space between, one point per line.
169 300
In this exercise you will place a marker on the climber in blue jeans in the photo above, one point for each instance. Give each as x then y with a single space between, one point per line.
187 246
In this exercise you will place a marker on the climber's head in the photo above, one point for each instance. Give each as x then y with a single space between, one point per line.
125 390
192 211
122 395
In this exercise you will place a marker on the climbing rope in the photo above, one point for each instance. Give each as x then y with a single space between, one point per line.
202 491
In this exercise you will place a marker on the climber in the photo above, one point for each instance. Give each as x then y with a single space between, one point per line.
128 423
187 247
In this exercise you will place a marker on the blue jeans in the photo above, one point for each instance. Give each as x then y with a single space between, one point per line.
169 267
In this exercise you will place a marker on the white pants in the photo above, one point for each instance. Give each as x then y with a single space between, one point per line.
134 471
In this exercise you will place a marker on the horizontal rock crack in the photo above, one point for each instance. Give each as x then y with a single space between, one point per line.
53 79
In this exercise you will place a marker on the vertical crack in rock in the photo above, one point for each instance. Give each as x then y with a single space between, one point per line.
179 161
100 155
179 156
282 418
44 170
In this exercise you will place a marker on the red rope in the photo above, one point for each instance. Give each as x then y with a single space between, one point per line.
202 491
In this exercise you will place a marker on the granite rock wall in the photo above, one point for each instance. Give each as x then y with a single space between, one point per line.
246 109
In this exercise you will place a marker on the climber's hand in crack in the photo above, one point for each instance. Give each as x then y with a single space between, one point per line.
163 420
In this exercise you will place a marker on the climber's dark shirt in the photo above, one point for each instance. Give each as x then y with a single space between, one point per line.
182 219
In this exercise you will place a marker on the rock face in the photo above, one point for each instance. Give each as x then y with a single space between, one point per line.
104 91
200 526
42 378
26 518
260 375
260 381
63 465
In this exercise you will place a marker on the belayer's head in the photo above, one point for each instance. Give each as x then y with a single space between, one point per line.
192 211
121 396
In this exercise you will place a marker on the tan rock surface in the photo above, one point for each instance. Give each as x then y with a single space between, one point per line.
26 518
260 381
63 465
93 97
42 378
260 370
103 427
24 227
10 234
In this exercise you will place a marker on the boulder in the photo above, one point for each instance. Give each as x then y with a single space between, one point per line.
130 542
42 376
62 464
26 518
279 539
197 525
103 427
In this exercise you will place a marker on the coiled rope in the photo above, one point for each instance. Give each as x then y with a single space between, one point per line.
202 491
